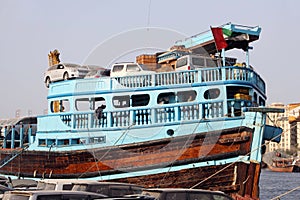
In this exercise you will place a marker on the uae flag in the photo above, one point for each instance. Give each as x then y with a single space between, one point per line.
218 34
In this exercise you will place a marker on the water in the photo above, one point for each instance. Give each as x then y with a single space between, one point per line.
273 184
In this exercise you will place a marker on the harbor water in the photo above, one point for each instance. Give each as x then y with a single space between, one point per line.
274 184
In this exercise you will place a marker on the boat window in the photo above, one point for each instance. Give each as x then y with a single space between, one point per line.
60 106
255 102
121 101
54 105
63 142
261 101
51 142
237 92
82 104
75 141
166 98
212 93
255 97
186 96
181 62
97 139
64 105
117 68
198 61
96 102
42 142
140 100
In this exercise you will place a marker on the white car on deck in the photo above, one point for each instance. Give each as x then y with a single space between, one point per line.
131 74
64 71
128 69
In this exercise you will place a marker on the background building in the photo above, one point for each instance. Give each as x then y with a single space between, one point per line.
289 121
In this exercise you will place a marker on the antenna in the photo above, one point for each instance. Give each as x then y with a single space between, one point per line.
18 113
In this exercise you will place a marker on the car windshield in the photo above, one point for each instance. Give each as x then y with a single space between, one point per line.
181 62
92 67
198 61
133 68
15 197
79 187
50 186
74 65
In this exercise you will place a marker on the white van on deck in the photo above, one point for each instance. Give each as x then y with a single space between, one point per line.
193 61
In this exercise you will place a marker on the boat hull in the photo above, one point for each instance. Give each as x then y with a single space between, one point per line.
286 168
185 161
281 169
236 179
109 160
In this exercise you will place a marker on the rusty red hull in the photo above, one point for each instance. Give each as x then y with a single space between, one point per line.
233 178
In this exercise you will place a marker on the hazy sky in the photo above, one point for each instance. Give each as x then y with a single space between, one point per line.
32 28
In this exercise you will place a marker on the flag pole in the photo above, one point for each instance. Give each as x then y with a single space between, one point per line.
223 56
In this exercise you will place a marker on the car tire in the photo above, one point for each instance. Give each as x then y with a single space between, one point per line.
66 76
47 82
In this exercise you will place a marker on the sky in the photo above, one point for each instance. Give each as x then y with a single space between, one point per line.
31 29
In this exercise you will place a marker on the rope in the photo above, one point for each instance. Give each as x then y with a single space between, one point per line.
149 11
96 163
256 149
182 149
290 191
216 173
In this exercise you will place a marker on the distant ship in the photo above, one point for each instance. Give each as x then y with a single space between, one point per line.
191 128
284 164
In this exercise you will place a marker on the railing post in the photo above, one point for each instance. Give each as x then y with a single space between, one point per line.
206 110
110 84
132 117
29 134
91 120
221 111
223 73
153 115
73 125
21 135
243 104
5 134
232 108
177 113
109 119
12 140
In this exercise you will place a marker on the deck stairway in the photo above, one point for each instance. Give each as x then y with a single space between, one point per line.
12 156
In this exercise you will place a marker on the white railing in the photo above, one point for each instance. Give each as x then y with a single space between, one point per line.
228 73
